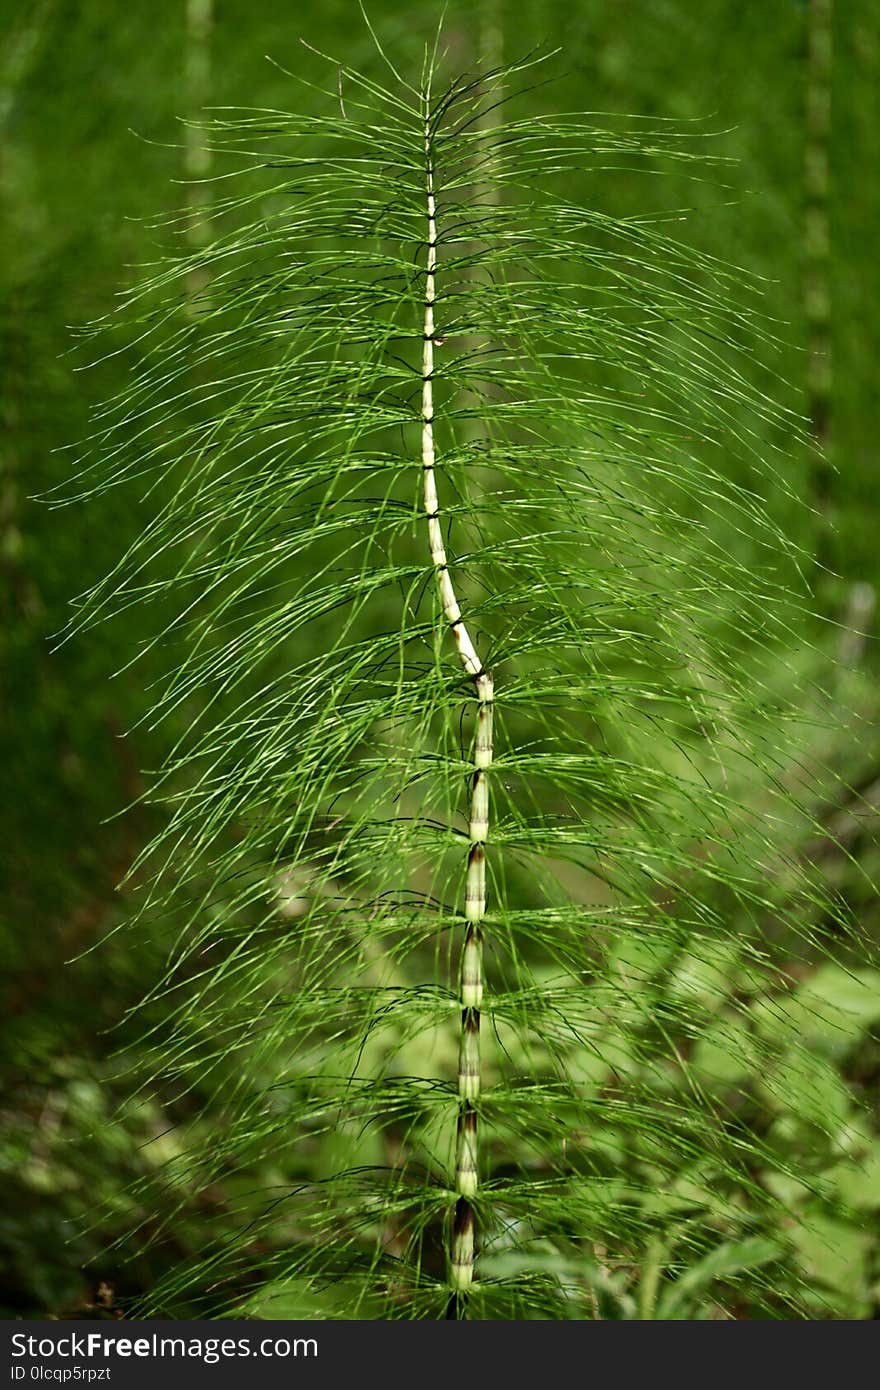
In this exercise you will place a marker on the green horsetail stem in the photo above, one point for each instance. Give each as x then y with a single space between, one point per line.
817 260
197 154
461 1260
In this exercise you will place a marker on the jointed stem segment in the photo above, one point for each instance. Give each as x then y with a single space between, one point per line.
471 969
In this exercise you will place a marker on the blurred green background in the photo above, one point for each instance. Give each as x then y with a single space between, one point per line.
90 146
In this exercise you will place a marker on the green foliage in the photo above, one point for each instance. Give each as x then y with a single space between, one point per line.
760 1056
645 905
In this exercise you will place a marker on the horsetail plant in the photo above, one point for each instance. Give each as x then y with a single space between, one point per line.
441 404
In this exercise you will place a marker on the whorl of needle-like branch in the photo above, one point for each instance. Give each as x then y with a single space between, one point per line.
580 417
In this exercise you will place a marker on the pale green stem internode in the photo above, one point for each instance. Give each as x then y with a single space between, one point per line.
197 156
817 258
471 968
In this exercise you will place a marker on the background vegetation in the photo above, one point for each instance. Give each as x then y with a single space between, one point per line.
90 96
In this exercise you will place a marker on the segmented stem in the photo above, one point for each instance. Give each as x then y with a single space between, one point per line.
817 260
461 1271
